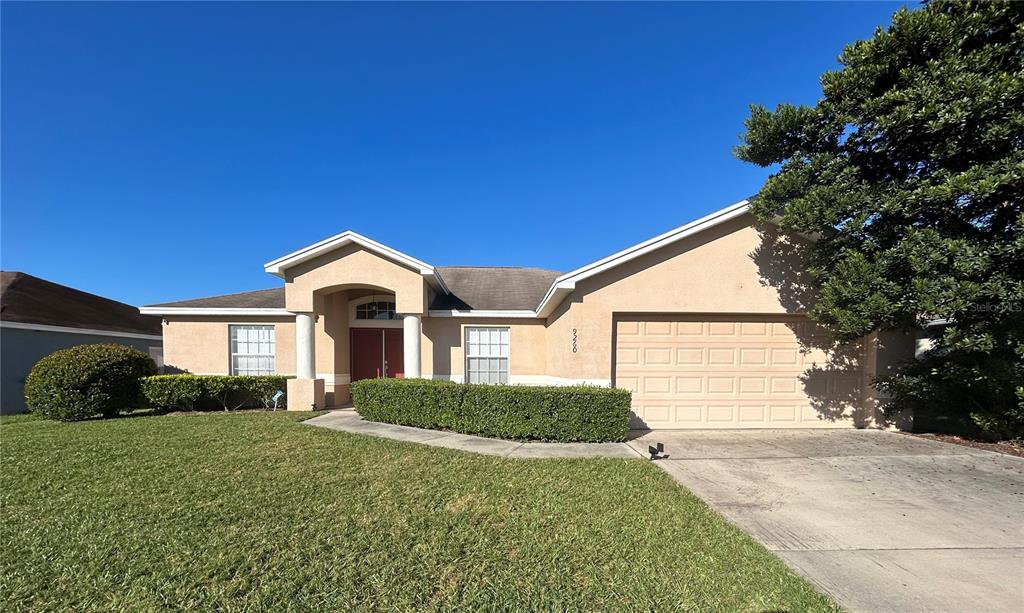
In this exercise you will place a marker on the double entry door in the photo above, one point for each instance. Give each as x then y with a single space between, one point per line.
376 353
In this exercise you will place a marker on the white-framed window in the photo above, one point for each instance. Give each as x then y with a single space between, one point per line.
486 355
252 350
381 309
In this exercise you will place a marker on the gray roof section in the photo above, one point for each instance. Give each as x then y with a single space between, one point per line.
493 288
260 299
486 288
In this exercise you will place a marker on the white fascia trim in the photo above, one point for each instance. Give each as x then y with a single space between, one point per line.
277 267
482 313
564 284
17 325
216 311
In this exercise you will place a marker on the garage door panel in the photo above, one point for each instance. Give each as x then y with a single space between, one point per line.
721 356
779 413
628 329
753 328
785 357
689 385
656 356
780 386
658 328
689 328
753 385
690 357
751 372
721 413
689 413
657 385
753 414
754 356
722 328
628 355
721 385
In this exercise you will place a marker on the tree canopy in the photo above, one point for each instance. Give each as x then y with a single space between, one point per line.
909 173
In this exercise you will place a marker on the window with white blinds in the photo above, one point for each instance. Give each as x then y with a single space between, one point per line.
486 355
252 350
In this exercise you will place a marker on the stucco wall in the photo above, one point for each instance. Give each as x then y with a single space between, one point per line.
353 266
201 345
720 270
734 269
20 349
443 355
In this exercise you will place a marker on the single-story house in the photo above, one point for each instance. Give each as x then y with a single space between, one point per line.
704 323
38 317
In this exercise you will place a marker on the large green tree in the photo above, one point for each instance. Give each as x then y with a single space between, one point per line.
909 173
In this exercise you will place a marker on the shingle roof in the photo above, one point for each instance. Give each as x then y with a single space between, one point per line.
259 299
488 288
493 288
31 300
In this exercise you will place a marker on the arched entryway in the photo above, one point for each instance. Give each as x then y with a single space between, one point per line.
351 263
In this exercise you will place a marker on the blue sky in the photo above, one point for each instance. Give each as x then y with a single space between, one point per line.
154 152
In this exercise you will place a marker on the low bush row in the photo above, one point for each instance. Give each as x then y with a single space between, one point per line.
550 413
202 392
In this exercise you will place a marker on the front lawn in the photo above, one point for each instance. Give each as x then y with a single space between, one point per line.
258 512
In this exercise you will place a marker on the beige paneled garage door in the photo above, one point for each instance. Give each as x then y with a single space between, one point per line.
732 372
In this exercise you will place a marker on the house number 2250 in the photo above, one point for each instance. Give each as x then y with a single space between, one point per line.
574 340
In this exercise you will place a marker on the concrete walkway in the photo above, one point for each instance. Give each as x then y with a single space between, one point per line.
347 420
878 520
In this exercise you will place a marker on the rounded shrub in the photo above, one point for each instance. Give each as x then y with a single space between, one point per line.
86 380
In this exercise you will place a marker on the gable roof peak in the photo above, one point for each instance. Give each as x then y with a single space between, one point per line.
278 266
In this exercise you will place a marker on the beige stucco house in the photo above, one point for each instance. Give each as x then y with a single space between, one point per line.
704 323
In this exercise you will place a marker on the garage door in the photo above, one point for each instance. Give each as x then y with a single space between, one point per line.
732 372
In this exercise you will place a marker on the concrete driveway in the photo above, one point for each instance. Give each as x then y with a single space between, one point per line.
880 521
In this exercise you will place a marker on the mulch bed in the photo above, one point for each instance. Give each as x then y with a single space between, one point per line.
1001 447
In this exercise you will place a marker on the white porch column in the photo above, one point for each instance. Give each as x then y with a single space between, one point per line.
305 391
305 350
411 341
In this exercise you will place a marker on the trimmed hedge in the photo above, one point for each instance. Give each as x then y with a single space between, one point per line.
86 380
550 413
198 392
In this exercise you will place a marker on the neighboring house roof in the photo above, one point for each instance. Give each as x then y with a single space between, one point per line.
486 291
25 299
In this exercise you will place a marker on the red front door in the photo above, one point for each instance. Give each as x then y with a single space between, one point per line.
394 353
376 352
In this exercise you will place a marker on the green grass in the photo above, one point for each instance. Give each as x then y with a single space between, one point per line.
258 512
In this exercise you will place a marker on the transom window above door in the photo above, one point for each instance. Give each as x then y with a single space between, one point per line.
380 309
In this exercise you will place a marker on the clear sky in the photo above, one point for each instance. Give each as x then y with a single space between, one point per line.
154 152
